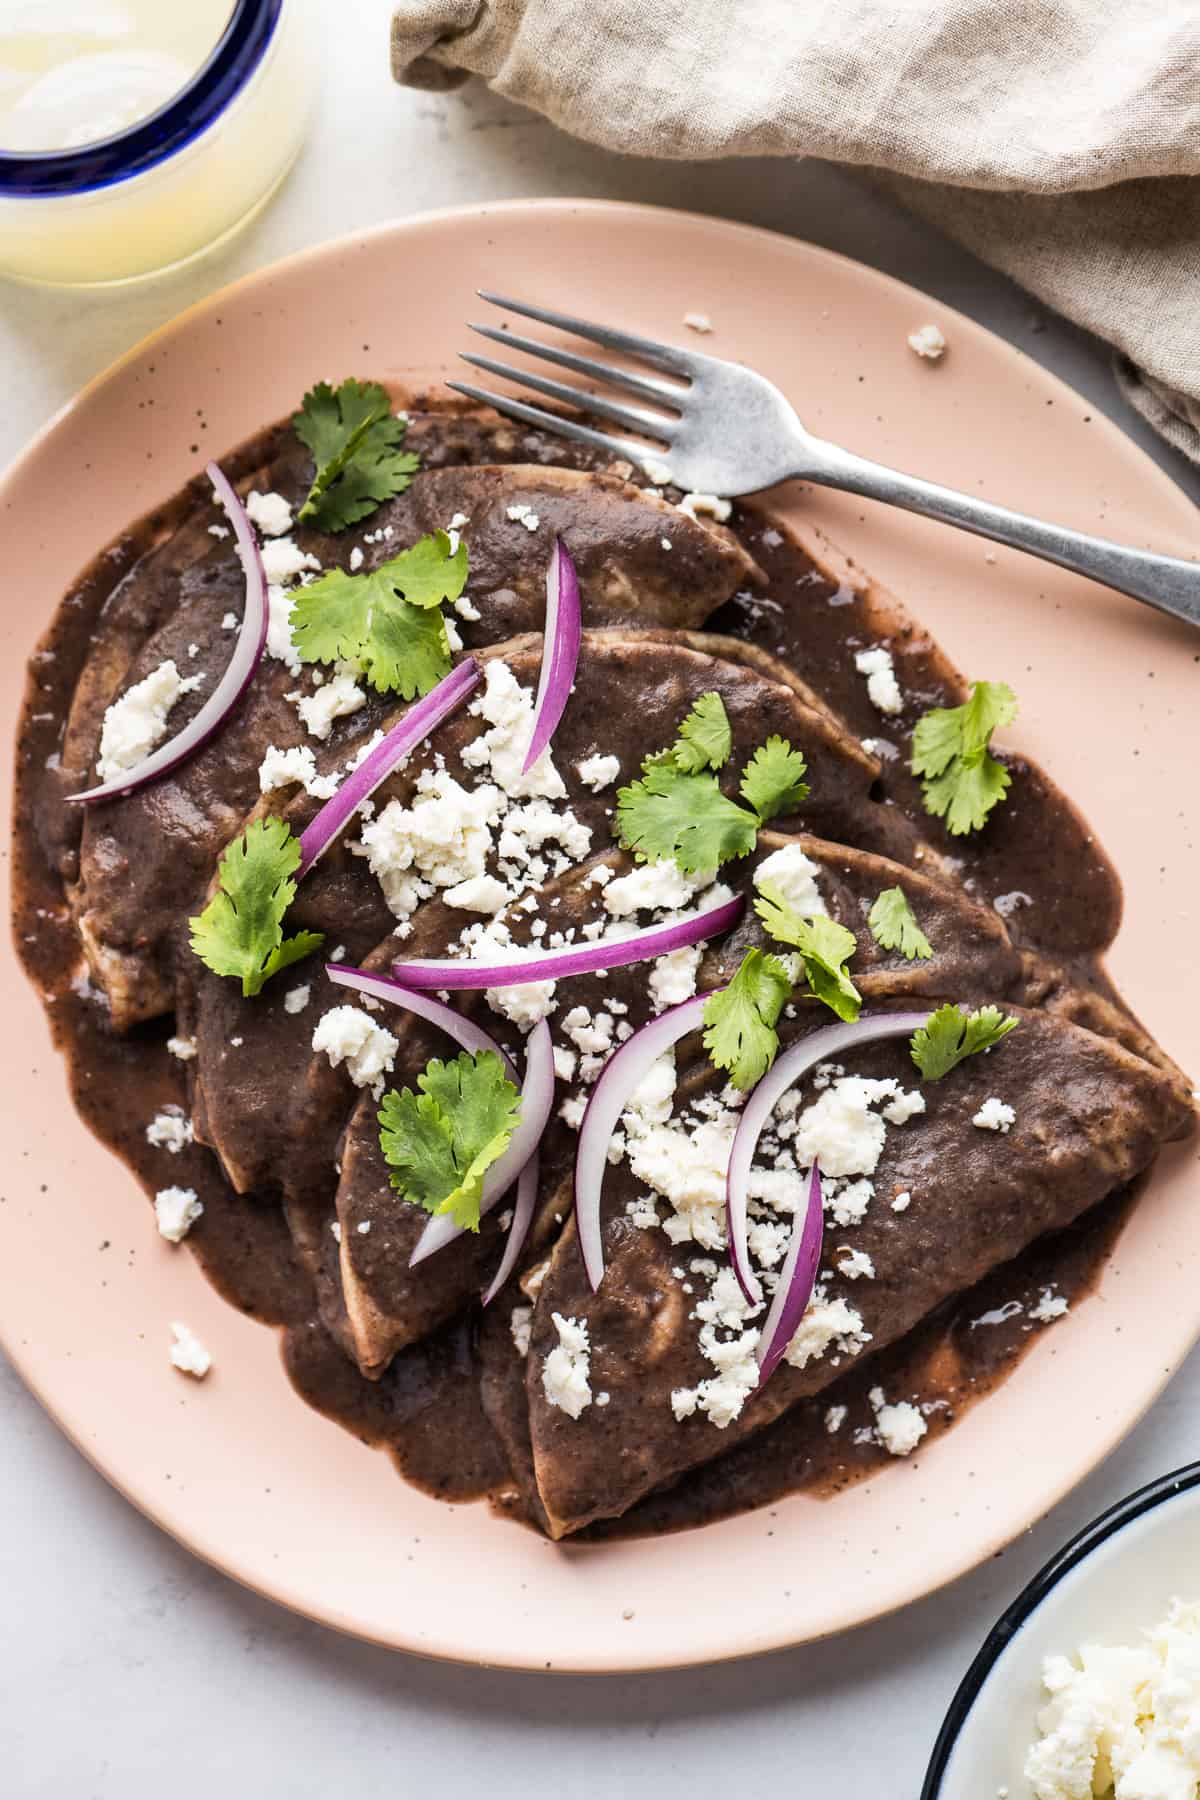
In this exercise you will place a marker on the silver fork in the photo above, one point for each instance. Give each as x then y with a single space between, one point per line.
718 428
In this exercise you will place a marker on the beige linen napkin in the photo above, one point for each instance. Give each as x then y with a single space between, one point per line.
1058 139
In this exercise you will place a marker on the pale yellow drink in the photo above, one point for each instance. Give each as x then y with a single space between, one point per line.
77 72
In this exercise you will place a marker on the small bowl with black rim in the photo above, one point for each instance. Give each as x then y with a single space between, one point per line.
1116 1577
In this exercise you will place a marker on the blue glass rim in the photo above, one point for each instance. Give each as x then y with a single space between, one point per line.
42 174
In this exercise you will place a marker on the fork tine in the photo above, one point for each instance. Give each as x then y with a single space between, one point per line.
643 385
659 356
655 425
548 421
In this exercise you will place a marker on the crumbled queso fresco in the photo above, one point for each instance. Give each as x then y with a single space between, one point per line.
284 564
176 1210
598 772
1048 1307
284 561
899 1425
682 1161
712 504
170 1130
883 690
270 512
135 723
283 768
484 846
1123 1720
491 843
928 343
338 697
187 1352
348 1035
793 875
679 1157
994 1115
565 1371
520 1325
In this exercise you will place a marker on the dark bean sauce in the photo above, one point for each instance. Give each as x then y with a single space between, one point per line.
426 1410
954 1358
1037 856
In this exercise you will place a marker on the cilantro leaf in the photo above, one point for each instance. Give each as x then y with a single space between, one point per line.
991 705
966 793
773 780
240 931
961 781
677 809
670 813
331 418
739 1020
440 1143
937 740
407 651
417 1140
894 925
950 1034
355 441
825 947
331 617
427 574
387 620
705 740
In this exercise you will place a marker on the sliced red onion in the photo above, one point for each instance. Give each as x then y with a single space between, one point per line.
537 1097
466 1034
518 1231
576 959
239 671
403 738
619 1079
797 1279
520 1158
560 650
785 1072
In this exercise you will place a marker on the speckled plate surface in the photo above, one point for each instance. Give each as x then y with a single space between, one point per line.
237 1467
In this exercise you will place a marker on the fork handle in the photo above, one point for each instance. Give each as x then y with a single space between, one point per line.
1165 582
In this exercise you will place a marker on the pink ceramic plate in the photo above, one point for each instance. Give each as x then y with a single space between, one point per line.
238 1468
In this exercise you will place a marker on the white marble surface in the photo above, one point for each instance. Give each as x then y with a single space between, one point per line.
127 1668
